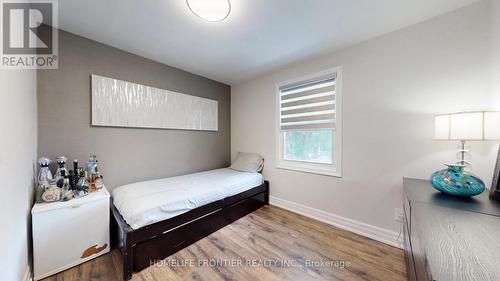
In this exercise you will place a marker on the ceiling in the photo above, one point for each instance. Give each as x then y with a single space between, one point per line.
259 36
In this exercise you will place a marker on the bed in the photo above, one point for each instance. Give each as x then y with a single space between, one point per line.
154 219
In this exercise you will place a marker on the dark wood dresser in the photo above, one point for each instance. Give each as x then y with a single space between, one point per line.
450 238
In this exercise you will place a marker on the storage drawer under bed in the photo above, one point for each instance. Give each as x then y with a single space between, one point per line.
185 235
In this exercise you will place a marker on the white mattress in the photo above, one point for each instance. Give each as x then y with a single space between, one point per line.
144 203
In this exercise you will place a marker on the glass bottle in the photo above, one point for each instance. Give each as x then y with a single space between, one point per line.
61 170
99 182
92 168
43 179
44 175
76 170
82 187
72 179
66 193
60 178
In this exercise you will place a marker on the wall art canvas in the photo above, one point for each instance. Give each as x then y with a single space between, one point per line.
117 103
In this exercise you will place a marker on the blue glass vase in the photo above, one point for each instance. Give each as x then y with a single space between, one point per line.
455 181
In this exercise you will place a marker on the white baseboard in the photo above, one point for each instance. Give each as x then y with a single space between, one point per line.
367 230
27 274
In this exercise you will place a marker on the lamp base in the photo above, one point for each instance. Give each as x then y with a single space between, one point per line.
455 181
463 155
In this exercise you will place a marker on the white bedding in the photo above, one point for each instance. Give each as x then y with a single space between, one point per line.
144 203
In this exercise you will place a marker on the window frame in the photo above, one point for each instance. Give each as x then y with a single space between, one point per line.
334 170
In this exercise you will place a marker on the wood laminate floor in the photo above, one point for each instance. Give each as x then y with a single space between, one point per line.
269 244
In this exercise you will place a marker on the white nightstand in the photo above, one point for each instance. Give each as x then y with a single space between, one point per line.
66 234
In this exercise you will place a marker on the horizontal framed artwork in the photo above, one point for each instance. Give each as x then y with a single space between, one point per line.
117 103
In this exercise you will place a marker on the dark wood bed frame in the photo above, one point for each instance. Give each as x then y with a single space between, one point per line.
142 247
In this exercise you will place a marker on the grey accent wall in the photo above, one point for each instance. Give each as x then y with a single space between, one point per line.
126 155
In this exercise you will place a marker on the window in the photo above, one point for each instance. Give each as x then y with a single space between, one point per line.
309 137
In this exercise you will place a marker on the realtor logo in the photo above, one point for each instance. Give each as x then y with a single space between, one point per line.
29 34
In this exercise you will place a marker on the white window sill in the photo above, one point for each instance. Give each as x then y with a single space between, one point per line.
309 170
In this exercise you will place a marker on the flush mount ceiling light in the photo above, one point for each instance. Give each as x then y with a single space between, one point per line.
210 10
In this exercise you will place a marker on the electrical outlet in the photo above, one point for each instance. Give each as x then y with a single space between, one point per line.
398 214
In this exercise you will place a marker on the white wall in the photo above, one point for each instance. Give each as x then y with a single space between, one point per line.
495 51
393 85
17 158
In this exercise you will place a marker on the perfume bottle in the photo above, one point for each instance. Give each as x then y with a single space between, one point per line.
66 192
61 170
99 182
44 178
72 179
92 168
44 175
76 171
59 180
82 187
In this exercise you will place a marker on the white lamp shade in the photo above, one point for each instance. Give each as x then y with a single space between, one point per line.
467 126
442 127
492 125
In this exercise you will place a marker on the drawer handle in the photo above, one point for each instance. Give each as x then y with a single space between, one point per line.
76 206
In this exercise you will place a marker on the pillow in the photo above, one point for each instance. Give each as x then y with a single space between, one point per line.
248 162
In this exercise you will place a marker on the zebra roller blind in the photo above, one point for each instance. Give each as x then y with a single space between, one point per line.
309 105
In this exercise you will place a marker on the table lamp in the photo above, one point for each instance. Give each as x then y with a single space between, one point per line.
463 127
